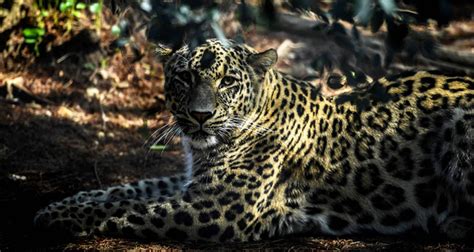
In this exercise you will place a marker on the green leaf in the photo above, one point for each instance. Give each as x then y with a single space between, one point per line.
116 30
64 6
40 32
31 40
77 14
94 8
44 13
158 147
29 32
80 6
33 32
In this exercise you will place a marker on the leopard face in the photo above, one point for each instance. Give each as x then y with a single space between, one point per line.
211 89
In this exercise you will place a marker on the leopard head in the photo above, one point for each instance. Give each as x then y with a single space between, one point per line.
212 88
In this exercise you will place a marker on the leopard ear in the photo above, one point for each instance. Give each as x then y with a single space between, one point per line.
263 61
164 53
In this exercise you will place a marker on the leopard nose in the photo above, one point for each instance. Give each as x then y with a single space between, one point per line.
200 116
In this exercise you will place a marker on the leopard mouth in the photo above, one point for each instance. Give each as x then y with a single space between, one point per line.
196 131
198 136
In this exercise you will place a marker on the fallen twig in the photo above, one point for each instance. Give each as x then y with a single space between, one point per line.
97 175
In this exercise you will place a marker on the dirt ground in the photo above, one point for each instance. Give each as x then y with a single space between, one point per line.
66 126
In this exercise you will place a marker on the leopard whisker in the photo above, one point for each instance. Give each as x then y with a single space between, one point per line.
248 124
165 135
158 132
175 132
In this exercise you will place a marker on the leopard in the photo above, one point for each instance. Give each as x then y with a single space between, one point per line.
269 155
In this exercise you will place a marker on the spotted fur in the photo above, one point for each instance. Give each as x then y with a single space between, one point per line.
272 156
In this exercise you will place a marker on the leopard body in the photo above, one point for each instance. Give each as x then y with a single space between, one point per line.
270 156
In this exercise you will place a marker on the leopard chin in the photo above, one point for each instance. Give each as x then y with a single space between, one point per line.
202 143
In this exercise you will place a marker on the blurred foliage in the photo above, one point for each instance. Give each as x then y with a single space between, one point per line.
191 22
62 14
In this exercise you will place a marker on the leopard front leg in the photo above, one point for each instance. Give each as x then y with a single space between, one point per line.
146 188
140 190
214 212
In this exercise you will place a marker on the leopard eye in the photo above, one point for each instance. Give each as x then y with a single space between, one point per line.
227 81
185 76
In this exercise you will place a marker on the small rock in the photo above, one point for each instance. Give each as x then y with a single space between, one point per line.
123 84
92 92
16 177
65 112
100 134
